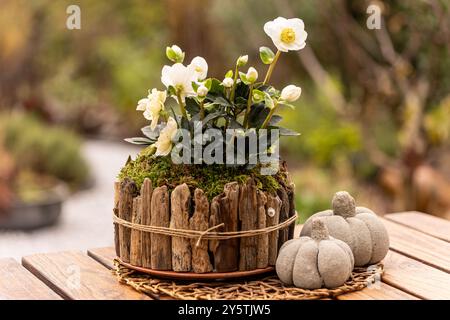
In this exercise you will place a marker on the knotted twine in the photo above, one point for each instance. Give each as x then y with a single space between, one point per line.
207 234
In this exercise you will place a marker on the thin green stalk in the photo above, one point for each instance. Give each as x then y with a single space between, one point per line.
249 103
269 116
233 88
271 67
202 110
182 107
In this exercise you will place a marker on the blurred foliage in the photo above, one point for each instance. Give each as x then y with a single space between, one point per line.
374 101
43 150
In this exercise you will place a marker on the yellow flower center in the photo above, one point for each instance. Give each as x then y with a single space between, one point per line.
288 35
198 69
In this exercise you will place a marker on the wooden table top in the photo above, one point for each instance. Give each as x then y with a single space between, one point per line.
416 267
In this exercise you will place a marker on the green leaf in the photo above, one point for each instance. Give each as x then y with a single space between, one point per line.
216 87
191 106
243 77
195 86
287 105
139 140
151 134
268 101
286 132
258 113
208 83
266 55
171 91
258 96
275 119
213 116
229 74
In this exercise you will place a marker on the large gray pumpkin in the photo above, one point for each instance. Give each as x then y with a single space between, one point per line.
359 227
316 261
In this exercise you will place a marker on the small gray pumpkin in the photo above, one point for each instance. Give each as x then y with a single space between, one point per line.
359 227
316 261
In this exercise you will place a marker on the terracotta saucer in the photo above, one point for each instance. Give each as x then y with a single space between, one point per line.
209 276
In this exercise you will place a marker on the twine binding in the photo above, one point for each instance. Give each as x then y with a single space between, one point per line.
268 288
208 234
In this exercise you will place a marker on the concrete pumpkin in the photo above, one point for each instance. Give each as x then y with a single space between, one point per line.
359 227
316 261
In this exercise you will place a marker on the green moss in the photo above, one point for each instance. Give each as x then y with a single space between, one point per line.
210 178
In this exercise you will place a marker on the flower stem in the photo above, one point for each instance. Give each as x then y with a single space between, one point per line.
269 116
233 89
182 107
249 103
271 67
202 111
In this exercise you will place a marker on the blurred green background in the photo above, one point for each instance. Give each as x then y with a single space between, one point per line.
374 113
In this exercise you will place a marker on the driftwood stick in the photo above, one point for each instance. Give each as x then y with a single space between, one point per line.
116 212
283 234
248 215
200 221
273 207
181 247
291 196
128 190
224 209
262 260
136 235
161 252
146 196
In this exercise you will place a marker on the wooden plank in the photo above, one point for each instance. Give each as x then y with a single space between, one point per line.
380 291
17 283
104 255
248 215
224 209
426 223
420 246
161 245
415 277
74 275
179 219
200 221
136 235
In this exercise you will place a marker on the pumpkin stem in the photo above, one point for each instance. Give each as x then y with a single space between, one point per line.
319 231
343 204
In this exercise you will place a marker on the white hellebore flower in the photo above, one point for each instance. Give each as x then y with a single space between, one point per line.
180 77
287 34
164 143
252 74
291 93
152 106
200 67
228 82
202 91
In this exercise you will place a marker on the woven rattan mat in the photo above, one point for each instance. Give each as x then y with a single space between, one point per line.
267 288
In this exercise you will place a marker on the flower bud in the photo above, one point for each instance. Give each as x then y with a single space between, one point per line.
291 93
202 91
242 61
252 75
227 82
175 54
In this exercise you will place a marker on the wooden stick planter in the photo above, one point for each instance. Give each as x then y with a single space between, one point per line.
181 231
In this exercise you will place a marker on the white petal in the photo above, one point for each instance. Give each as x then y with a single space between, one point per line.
142 104
280 45
148 115
165 76
200 67
296 23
